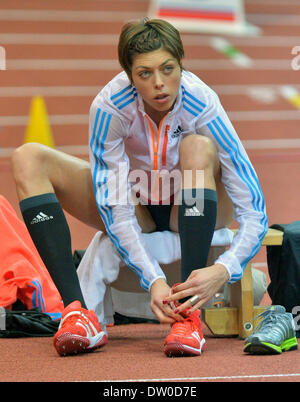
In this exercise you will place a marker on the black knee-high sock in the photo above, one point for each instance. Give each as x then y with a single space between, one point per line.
196 223
49 230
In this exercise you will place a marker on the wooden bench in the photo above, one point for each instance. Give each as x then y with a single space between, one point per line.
238 319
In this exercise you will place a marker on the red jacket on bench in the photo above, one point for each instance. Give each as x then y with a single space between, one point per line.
23 274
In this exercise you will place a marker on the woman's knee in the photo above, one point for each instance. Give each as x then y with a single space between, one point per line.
30 170
198 152
27 160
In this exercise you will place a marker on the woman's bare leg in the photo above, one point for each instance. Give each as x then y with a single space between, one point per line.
39 169
47 182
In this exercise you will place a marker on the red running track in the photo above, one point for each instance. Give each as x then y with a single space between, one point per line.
254 102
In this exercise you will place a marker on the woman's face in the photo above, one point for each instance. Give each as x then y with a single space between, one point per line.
156 76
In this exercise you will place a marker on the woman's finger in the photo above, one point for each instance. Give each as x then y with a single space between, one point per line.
170 312
161 315
179 295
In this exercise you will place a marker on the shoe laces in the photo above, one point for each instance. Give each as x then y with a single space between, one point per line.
268 321
72 317
184 327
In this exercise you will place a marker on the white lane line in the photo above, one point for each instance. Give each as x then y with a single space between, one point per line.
68 15
258 41
229 377
58 39
291 94
103 15
274 19
112 39
75 119
275 2
111 16
288 143
235 55
262 94
265 115
245 88
50 91
285 143
257 64
91 90
55 119
62 64
113 64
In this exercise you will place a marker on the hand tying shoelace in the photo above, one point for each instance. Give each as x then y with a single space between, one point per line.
186 338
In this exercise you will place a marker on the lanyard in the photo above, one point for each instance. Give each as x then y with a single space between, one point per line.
155 146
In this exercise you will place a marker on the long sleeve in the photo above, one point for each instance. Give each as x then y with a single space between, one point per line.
242 185
110 168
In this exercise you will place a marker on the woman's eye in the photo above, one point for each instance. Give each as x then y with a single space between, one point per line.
168 69
144 74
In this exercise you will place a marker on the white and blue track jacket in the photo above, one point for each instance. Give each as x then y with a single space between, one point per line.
121 143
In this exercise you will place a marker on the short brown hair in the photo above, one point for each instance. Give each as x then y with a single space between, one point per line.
146 36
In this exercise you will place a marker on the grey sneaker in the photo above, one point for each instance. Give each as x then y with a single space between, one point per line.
274 334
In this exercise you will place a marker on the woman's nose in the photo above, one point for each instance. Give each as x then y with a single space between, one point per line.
158 82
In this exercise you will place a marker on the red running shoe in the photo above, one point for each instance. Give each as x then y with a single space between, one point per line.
186 338
79 331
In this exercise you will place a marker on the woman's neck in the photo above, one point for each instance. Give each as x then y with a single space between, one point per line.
155 115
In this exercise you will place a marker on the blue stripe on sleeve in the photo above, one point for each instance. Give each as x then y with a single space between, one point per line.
191 104
221 134
126 99
121 92
128 102
100 165
185 92
260 201
122 98
104 209
92 140
185 100
189 110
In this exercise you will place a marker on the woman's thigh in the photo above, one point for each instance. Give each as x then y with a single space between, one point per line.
39 169
73 185
71 179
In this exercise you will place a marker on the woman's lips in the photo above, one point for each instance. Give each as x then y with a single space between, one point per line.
163 98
